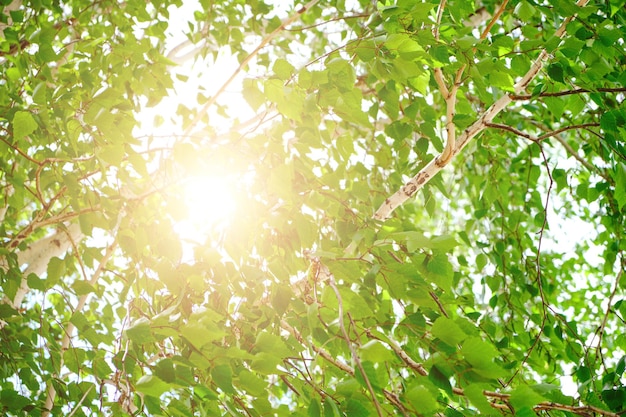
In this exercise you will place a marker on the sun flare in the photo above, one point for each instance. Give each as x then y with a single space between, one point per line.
210 203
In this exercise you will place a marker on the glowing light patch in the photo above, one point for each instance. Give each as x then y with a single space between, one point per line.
210 203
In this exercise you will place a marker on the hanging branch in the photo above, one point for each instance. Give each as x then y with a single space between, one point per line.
286 22
421 178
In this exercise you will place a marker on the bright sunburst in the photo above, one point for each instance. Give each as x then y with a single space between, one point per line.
210 204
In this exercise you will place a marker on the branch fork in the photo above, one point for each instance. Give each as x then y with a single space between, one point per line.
454 147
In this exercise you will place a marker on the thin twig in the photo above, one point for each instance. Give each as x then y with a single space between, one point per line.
600 332
438 302
395 346
556 134
355 357
80 401
516 97
542 137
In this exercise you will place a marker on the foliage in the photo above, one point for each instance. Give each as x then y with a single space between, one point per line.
498 289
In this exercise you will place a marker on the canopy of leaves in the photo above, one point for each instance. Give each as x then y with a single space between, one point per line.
497 287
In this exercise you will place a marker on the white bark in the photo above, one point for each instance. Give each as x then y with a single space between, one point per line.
11 7
35 258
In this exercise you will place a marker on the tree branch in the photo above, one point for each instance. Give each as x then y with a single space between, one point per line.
493 20
443 89
421 178
573 152
37 256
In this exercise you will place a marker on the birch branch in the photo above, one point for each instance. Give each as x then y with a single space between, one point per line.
421 178
37 256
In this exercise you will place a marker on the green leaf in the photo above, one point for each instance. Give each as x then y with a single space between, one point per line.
265 363
375 351
314 408
439 379
440 270
448 331
55 270
165 370
422 400
152 385
82 287
330 408
7 311
475 393
440 53
199 335
283 69
356 408
251 383
443 242
525 397
140 331
555 71
269 343
13 401
481 354
23 124
223 377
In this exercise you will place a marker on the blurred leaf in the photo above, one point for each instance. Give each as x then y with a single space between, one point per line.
151 385
23 124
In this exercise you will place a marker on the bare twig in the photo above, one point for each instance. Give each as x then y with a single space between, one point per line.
516 97
541 137
571 150
600 332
